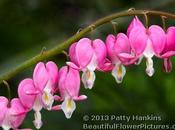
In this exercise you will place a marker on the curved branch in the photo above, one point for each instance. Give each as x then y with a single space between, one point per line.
59 48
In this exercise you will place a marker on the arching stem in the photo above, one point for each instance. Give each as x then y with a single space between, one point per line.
60 47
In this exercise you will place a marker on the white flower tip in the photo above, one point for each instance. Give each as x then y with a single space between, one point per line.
119 80
37 122
150 71
149 66
118 73
88 79
68 106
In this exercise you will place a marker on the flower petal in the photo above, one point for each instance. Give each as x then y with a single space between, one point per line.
72 65
167 65
3 108
47 97
80 98
149 66
37 122
100 51
138 40
168 54
110 41
107 66
72 53
40 76
68 106
134 23
118 73
72 84
52 70
122 44
170 44
25 86
88 79
158 38
83 46
17 112
61 80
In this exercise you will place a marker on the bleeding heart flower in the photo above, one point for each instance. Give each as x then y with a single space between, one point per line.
169 49
45 78
69 87
12 113
120 53
87 55
39 91
147 43
29 95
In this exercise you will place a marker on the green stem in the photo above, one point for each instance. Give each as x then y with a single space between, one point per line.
60 47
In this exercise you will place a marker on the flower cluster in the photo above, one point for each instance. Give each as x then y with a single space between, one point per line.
62 85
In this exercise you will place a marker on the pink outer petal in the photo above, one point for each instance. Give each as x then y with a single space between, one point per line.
15 112
56 108
105 67
158 38
138 39
167 65
127 59
168 54
100 50
3 108
122 44
84 52
126 56
72 53
72 65
52 69
26 99
72 83
80 98
110 41
134 23
61 81
40 76
170 44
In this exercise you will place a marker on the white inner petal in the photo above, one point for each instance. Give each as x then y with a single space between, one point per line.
148 52
93 63
47 97
38 121
88 78
37 108
37 104
118 72
68 106
149 66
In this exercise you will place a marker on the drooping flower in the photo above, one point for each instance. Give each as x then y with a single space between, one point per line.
39 91
12 113
87 55
28 95
169 49
45 78
69 87
147 42
120 54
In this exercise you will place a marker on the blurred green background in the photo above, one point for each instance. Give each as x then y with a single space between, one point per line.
26 26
